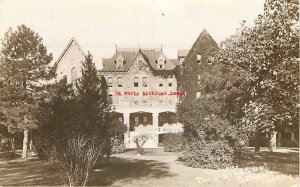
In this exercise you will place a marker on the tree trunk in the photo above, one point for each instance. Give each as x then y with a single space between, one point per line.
13 144
292 136
25 144
30 144
257 142
279 139
272 142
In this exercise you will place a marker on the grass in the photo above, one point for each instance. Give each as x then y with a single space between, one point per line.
157 168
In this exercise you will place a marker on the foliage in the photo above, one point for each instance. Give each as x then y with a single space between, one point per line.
173 142
116 143
75 125
25 66
268 54
118 146
203 153
140 140
215 117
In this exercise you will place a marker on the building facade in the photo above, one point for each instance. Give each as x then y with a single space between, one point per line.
142 89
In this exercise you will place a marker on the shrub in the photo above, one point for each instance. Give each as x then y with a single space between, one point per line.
208 154
173 142
118 146
140 140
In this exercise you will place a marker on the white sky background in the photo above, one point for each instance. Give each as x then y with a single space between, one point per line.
98 25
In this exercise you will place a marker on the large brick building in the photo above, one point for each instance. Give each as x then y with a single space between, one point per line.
142 88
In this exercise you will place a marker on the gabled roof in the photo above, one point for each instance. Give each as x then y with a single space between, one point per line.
204 45
72 41
129 57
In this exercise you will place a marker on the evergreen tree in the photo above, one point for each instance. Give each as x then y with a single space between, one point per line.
76 125
25 66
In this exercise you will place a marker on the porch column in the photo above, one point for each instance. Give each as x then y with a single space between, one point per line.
127 133
155 125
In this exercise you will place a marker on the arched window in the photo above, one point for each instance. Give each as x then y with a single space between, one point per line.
73 75
141 64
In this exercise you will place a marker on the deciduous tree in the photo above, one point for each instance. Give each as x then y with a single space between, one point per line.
25 66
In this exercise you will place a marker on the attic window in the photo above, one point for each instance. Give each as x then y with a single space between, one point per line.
198 58
141 64
161 64
119 63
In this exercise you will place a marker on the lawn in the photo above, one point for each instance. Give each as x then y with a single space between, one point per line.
157 168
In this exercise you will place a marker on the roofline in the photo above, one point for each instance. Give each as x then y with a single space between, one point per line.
66 49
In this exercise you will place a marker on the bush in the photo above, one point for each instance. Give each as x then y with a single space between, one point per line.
118 146
208 154
173 142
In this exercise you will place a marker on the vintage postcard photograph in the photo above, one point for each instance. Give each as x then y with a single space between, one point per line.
134 93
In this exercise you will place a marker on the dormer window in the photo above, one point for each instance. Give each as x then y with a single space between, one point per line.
161 64
120 63
198 58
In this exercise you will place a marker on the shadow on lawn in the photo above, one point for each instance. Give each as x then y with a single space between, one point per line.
127 169
286 163
34 172
28 173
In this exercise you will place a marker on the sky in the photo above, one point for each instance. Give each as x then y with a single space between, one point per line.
100 25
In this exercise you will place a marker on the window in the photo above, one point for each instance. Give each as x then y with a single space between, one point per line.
110 98
144 81
136 102
160 84
136 120
210 60
144 102
160 102
198 95
170 82
120 82
141 64
73 75
136 82
120 99
161 64
199 79
145 119
199 59
109 81
119 63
